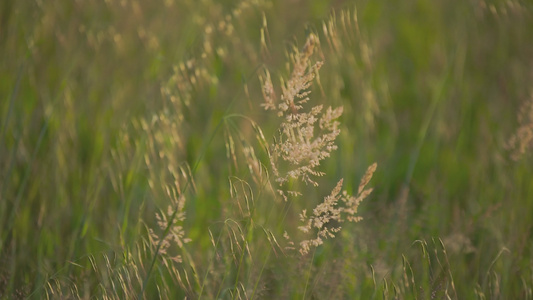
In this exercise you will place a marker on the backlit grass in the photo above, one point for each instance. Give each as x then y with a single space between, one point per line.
137 159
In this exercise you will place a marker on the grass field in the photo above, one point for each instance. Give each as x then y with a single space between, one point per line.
266 149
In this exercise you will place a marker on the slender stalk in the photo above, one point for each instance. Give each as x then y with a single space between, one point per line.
309 272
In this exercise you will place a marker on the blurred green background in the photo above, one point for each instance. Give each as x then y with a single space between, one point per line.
431 92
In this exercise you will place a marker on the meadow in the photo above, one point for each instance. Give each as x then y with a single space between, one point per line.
257 149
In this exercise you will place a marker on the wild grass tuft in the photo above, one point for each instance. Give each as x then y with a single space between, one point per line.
224 150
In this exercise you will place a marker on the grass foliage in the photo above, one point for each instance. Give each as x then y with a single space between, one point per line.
266 149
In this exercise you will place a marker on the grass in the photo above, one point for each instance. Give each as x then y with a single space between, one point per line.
137 159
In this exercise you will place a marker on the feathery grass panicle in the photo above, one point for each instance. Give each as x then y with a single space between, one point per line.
522 140
176 231
322 214
169 180
337 206
306 137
